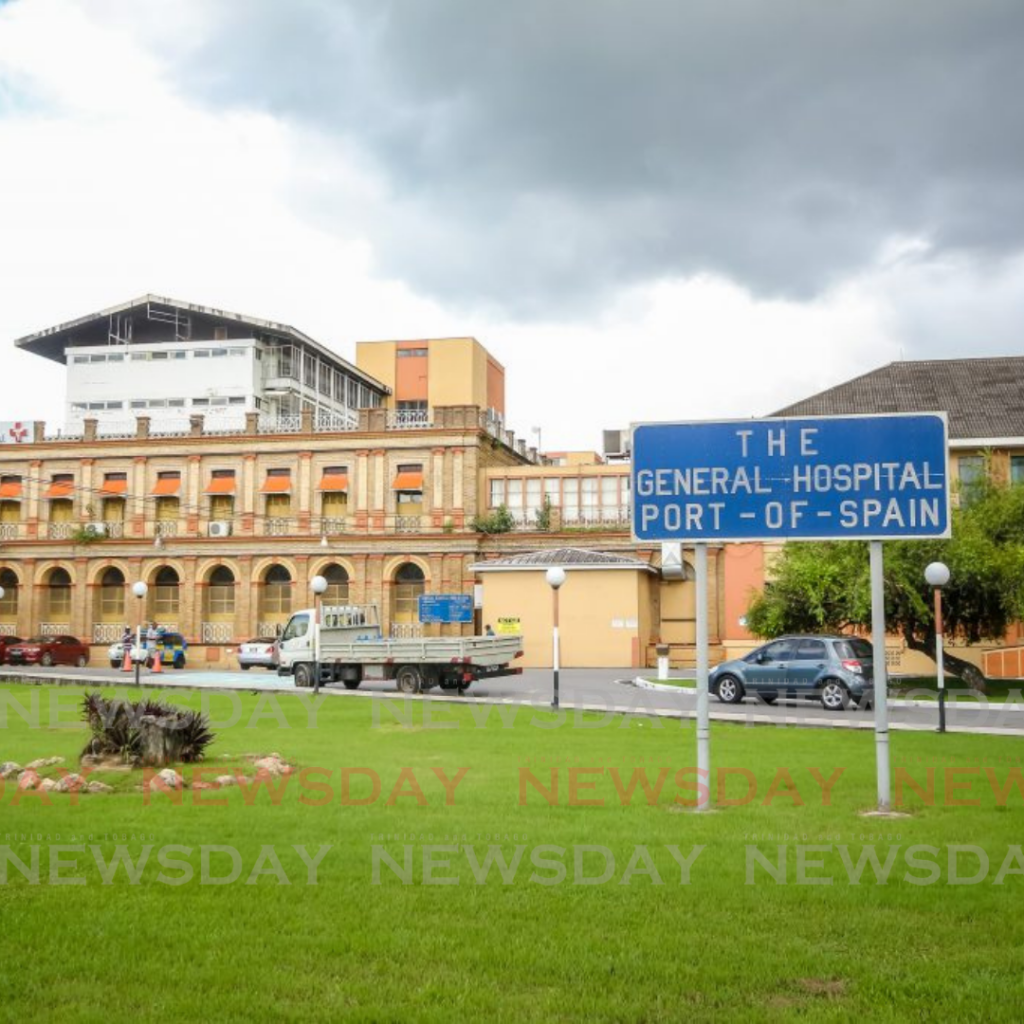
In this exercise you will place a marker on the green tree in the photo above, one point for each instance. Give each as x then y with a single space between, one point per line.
826 586
499 521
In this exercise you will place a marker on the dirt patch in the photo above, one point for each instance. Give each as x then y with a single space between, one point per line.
831 988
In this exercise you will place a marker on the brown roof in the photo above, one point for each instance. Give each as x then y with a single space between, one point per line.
983 397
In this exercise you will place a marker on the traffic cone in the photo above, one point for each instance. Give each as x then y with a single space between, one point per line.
158 661
126 665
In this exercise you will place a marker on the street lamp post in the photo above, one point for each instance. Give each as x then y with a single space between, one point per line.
555 577
937 576
318 585
139 590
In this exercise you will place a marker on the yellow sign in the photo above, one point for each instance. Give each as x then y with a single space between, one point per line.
509 627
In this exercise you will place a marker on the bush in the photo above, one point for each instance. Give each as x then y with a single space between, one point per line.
145 732
499 521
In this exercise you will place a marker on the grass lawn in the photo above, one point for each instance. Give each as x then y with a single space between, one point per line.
927 688
347 948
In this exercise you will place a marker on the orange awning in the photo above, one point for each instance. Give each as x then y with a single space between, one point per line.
11 490
114 487
169 485
221 485
408 482
277 485
60 489
334 482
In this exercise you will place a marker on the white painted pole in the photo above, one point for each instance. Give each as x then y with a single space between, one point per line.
880 675
703 714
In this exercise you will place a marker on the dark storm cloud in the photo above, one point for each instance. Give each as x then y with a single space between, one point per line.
540 154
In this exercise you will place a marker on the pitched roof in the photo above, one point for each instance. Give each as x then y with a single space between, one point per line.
983 397
567 558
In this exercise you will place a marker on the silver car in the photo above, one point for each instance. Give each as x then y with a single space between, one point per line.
260 651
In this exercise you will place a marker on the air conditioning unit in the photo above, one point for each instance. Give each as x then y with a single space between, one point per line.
96 529
220 528
616 444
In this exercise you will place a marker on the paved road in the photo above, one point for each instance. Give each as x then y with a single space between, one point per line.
592 689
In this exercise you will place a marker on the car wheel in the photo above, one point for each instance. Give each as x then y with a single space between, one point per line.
46 659
408 679
244 668
834 695
82 661
179 662
768 698
729 690
115 664
352 684
303 676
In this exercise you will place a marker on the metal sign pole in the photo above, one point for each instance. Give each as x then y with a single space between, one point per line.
881 696
703 713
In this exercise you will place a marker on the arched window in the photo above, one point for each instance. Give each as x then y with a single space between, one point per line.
337 585
409 585
276 602
164 606
9 602
220 595
58 596
111 596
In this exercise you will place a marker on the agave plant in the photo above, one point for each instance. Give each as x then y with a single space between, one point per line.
167 734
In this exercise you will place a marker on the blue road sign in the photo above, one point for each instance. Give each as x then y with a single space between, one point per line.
446 607
823 478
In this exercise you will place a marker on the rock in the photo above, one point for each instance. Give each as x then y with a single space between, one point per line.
273 765
99 787
9 768
44 762
46 785
205 785
170 778
70 784
226 780
28 779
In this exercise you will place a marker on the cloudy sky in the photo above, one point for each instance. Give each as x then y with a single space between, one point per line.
647 209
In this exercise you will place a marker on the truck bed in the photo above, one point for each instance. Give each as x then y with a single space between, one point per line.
485 651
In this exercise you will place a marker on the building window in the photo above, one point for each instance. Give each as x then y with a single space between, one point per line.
497 493
9 602
220 334
337 585
58 596
1017 469
165 595
279 506
113 510
972 478
412 353
220 595
111 598
553 490
277 592
222 506
409 585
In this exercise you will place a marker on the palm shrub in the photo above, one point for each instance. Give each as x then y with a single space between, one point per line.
144 731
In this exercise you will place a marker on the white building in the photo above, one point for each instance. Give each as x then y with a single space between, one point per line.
168 360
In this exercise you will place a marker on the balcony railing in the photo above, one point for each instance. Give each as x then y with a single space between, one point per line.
279 527
8 629
217 632
331 525
269 630
332 421
408 419
113 528
406 630
280 424
408 524
60 531
9 531
54 628
107 632
166 528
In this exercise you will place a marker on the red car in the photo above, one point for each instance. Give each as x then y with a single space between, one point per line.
49 650
5 642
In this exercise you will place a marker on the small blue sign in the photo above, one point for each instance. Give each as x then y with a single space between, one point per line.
822 478
446 607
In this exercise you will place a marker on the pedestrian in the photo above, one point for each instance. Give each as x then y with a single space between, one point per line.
488 631
152 636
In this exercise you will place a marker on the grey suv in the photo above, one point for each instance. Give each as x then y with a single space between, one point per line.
832 669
